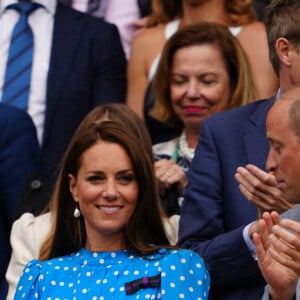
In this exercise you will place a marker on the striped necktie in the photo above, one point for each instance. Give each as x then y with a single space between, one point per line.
18 69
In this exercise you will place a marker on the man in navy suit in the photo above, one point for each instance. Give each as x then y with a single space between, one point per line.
78 63
215 215
281 271
20 156
280 266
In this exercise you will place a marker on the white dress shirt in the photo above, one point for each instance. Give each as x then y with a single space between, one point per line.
41 22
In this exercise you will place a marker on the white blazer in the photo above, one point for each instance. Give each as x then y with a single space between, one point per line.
26 238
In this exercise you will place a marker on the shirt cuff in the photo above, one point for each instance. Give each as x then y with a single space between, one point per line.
249 242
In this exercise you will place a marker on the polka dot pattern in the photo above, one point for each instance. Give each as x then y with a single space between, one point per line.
101 276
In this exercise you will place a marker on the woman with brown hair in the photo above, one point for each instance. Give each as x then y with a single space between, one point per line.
107 237
203 70
171 15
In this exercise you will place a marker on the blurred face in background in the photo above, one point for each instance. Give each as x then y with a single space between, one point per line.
197 2
199 85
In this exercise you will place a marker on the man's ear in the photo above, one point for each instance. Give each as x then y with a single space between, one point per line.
283 49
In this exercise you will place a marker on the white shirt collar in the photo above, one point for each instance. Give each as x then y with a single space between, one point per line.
49 5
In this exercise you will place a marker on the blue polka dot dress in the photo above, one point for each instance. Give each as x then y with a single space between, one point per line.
175 274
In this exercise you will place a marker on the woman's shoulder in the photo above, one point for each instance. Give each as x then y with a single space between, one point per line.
34 275
31 273
180 255
147 44
28 219
29 232
251 30
150 35
51 265
28 223
184 270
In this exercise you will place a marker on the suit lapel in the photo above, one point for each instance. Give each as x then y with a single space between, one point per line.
66 38
255 141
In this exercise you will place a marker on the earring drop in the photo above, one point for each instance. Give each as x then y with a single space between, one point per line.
76 213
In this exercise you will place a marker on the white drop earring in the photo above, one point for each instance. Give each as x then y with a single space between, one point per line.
77 212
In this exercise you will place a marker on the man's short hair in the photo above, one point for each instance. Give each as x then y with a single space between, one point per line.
282 20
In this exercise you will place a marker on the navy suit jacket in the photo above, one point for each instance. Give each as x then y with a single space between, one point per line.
214 212
87 68
20 156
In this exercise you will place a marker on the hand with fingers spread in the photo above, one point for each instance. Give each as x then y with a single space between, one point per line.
260 188
281 278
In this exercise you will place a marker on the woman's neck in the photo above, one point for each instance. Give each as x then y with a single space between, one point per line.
209 11
105 243
192 136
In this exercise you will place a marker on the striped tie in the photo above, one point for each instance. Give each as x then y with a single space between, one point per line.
18 69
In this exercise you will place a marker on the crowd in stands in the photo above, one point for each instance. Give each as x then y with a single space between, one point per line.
150 148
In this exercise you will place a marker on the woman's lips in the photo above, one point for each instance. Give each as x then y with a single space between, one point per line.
194 109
